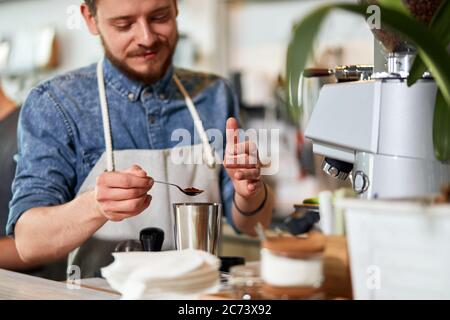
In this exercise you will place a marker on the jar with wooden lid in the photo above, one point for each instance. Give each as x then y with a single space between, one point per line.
292 266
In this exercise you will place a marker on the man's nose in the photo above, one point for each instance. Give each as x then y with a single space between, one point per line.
145 36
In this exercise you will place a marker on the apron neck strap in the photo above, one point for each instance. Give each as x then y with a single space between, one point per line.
105 117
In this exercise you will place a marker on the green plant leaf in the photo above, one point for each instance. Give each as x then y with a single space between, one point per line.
299 50
440 25
397 5
418 68
441 128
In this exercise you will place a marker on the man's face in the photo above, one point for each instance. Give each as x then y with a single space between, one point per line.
139 36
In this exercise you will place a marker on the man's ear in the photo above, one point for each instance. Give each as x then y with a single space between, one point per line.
89 18
176 7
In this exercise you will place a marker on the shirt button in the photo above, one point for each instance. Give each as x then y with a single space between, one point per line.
152 119
131 96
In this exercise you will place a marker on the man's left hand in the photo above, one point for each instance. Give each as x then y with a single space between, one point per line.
242 163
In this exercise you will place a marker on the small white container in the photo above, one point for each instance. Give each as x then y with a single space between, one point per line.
283 271
291 267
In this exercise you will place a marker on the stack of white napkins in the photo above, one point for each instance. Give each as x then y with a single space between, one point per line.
180 275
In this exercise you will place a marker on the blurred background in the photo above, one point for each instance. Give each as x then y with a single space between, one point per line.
244 41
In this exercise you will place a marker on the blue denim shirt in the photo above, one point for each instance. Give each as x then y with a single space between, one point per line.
61 132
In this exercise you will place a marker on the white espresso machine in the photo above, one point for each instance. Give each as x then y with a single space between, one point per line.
377 131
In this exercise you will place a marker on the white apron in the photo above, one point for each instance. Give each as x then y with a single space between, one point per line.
203 173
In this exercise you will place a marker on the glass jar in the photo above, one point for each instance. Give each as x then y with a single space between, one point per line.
245 282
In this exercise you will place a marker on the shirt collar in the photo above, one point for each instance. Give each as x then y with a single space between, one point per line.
130 88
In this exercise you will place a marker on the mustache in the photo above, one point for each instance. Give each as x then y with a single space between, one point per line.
142 50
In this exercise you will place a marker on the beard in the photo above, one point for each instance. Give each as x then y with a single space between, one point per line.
159 69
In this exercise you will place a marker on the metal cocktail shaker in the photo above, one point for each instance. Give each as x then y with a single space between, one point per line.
198 226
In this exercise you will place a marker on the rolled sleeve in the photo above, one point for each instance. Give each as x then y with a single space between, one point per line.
46 164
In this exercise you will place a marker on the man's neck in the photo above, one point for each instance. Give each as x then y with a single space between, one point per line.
7 106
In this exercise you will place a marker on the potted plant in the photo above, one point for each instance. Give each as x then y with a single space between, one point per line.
429 35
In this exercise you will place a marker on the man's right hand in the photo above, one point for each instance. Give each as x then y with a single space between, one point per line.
122 195
47 234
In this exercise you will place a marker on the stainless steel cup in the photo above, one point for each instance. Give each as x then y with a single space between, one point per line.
198 226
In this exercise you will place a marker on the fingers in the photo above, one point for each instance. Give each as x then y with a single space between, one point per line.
117 194
111 209
252 177
137 171
254 186
241 155
124 180
232 131
132 206
250 174
241 161
246 147
121 195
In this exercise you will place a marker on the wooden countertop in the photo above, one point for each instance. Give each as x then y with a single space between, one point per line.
17 286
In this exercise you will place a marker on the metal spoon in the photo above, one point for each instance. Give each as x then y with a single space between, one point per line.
188 191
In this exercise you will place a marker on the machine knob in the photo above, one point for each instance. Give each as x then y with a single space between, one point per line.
336 168
360 182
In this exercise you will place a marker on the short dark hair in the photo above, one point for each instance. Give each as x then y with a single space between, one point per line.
92 5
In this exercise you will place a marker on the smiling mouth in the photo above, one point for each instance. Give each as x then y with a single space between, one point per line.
145 55
148 55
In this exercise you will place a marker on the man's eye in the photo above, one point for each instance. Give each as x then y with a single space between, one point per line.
161 17
123 27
